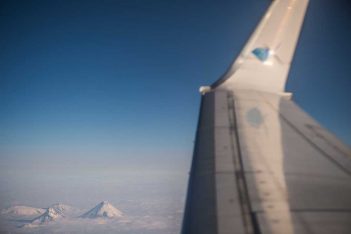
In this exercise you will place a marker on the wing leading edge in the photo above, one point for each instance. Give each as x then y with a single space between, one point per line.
260 163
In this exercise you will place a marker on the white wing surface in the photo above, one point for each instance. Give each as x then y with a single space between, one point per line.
260 163
265 61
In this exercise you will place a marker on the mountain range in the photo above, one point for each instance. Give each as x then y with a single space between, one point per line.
55 212
31 216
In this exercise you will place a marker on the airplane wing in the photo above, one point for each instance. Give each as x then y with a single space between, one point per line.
260 163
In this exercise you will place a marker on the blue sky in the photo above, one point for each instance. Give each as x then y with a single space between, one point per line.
116 82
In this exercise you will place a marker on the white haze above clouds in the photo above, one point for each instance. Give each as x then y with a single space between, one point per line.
149 194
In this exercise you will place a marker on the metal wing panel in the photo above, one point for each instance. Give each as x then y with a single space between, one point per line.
296 182
200 210
257 169
261 164
316 135
213 201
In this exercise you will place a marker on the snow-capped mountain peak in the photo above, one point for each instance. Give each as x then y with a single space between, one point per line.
61 208
103 210
49 215
52 213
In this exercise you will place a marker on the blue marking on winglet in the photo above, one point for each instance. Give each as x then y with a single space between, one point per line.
261 53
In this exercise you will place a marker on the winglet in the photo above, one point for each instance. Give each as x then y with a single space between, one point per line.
264 62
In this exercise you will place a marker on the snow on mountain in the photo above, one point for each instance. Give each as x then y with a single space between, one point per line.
30 217
54 212
49 215
22 212
103 210
64 210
